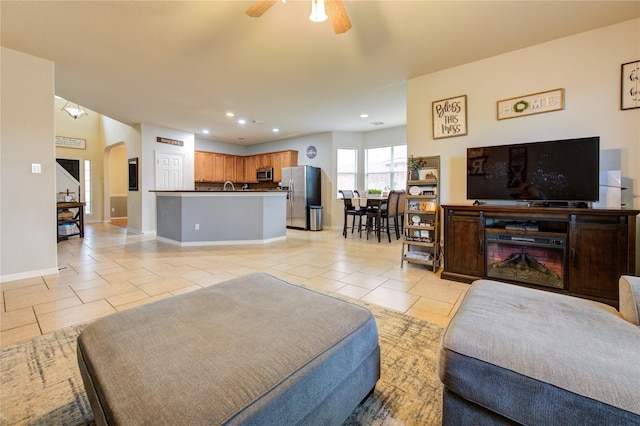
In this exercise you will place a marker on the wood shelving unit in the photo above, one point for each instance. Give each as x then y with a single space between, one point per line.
422 229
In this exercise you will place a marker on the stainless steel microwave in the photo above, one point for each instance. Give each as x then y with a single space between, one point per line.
264 174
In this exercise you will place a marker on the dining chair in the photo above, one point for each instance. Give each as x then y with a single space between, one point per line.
388 212
351 210
376 213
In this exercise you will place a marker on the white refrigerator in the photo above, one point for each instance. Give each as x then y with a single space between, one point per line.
302 184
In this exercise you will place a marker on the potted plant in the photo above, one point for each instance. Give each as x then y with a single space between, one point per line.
415 164
374 193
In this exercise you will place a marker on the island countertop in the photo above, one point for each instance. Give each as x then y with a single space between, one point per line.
214 217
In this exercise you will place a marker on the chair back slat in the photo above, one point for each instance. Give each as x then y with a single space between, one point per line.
347 196
346 193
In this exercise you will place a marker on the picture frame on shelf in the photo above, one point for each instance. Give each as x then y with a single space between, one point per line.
630 85
449 117
429 175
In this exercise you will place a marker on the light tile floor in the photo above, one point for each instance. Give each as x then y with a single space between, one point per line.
111 270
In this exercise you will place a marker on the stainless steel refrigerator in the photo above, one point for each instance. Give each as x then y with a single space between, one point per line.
302 184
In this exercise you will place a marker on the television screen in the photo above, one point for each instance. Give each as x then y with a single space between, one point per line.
563 170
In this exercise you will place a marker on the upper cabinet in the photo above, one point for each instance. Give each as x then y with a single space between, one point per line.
283 159
203 162
250 167
216 167
238 169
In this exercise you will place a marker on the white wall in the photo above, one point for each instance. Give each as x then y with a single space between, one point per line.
87 128
27 201
114 133
118 172
586 65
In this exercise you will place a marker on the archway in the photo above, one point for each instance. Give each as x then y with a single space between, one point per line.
115 184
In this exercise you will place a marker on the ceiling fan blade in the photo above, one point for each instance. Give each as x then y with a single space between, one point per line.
260 7
337 15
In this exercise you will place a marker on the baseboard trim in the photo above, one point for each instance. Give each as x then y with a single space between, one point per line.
28 274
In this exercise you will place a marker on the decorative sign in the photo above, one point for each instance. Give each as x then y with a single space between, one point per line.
536 103
75 143
449 117
311 152
169 141
630 85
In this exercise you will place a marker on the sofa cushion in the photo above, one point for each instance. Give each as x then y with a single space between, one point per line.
538 357
630 298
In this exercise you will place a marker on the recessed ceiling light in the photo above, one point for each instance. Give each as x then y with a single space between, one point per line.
242 121
364 115
205 131
276 130
230 114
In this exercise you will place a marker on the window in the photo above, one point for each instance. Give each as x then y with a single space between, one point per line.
386 167
347 169
87 186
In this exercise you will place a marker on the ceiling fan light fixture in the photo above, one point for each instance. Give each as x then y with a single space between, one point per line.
318 13
74 110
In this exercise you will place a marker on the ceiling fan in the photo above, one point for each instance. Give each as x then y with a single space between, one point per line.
334 10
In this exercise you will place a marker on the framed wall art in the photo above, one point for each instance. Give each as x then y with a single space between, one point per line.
449 117
133 174
630 85
535 103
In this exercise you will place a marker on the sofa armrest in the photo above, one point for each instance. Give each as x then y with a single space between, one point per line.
630 298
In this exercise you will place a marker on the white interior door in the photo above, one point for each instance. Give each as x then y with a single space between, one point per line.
169 171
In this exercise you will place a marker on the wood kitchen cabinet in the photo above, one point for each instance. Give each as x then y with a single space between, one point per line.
229 168
203 166
264 160
217 167
250 167
283 159
238 169
595 246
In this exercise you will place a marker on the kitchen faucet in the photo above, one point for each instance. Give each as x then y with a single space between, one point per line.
224 188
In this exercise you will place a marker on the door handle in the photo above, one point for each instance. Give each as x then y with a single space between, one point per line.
574 257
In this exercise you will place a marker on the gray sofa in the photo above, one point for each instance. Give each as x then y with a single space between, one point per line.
515 355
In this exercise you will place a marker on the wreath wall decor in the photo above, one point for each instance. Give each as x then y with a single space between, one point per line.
535 103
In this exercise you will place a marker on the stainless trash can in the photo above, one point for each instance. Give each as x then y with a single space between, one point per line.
315 218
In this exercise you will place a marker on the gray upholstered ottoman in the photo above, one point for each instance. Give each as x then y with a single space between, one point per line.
514 355
252 350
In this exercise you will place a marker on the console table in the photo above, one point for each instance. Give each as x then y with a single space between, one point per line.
74 223
576 251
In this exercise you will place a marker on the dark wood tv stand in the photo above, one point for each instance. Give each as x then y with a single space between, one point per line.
597 246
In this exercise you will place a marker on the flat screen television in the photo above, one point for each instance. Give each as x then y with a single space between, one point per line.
562 171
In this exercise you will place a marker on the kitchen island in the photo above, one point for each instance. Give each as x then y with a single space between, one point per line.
200 218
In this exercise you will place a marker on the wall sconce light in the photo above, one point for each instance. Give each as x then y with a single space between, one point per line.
74 110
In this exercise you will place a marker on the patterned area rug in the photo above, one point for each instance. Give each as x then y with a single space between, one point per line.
41 383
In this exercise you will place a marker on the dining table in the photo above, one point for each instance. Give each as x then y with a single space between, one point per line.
374 206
